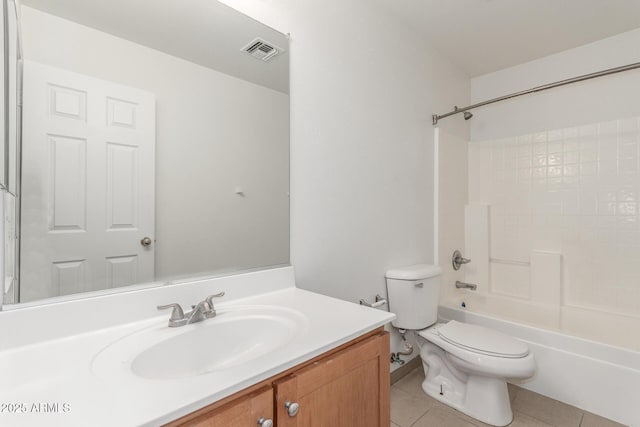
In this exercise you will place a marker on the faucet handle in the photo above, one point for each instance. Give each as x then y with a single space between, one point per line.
176 314
457 260
209 300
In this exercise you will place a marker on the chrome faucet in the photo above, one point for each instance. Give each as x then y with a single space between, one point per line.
463 285
201 311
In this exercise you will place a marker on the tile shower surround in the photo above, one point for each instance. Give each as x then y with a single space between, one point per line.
573 191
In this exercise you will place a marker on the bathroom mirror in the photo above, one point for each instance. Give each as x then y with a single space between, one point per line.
155 145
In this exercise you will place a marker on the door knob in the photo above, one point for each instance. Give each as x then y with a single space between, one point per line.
146 241
292 408
263 422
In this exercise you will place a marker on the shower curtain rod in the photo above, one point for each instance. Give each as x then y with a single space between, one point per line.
457 110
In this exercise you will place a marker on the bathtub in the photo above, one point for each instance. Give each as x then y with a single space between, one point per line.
596 377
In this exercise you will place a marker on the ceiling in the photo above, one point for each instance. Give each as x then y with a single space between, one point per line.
205 32
482 36
479 36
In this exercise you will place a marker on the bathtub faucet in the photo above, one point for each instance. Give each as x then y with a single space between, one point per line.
463 285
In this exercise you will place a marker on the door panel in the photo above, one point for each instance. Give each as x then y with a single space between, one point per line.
121 113
348 389
122 186
349 400
68 178
88 184
68 276
122 271
68 102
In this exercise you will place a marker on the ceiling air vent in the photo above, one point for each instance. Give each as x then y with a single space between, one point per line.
261 49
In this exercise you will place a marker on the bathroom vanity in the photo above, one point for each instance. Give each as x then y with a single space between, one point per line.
273 352
348 386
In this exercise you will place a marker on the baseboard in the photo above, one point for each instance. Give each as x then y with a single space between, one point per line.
403 370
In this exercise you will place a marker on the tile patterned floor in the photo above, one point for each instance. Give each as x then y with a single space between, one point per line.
411 407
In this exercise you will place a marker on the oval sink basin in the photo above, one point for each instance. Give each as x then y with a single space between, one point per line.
233 337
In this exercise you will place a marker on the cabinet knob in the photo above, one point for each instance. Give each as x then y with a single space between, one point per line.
265 422
292 408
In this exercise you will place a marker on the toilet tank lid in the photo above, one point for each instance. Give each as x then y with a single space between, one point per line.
414 272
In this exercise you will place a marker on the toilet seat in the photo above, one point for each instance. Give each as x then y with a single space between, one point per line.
482 340
478 353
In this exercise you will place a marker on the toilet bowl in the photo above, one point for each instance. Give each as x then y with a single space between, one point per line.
466 366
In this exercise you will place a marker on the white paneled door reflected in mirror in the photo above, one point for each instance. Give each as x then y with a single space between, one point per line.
155 145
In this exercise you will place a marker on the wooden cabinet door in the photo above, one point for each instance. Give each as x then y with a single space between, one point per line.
347 389
242 412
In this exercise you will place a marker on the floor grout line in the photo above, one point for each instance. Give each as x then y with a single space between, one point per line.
575 417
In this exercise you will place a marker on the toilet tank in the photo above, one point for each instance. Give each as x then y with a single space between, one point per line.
412 293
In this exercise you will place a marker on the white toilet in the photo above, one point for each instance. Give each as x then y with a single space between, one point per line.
466 366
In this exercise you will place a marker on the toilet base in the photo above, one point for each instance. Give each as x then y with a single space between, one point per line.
481 397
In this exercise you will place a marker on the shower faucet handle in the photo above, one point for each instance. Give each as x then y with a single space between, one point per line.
457 260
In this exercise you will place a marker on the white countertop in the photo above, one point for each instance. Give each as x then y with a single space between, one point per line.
60 371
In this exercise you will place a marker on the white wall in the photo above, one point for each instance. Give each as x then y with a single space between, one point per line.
560 170
205 147
363 89
591 101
